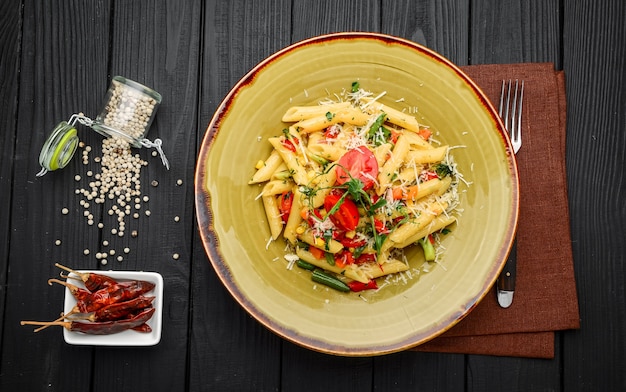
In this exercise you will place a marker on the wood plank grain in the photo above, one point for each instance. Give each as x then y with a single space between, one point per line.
511 32
339 373
311 18
595 66
514 31
57 77
229 350
411 370
157 44
10 50
439 25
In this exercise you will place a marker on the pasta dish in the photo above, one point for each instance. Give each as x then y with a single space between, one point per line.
351 183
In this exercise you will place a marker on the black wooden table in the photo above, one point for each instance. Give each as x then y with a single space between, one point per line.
57 58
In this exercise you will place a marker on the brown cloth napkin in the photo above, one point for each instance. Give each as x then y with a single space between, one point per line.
545 297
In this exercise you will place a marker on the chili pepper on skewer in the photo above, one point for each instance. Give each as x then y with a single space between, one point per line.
78 293
91 280
121 291
101 328
118 310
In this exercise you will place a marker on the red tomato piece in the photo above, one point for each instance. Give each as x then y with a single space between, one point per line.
351 242
366 258
347 215
343 258
359 163
428 175
380 226
285 201
424 133
331 132
356 286
289 145
313 218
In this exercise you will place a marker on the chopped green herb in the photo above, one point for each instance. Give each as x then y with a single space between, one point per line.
443 170
380 120
355 87
329 116
379 204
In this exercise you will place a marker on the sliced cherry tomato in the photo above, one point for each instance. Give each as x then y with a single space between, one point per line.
347 215
380 226
285 200
313 218
352 242
331 132
365 258
289 145
343 258
428 175
394 136
424 133
357 286
360 163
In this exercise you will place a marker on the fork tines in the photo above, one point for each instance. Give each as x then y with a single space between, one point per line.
511 110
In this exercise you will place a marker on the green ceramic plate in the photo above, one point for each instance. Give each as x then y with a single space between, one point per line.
233 226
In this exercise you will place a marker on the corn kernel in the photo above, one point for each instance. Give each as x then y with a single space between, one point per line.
319 242
260 164
299 230
350 234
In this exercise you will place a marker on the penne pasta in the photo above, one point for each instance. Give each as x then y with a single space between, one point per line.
273 216
390 167
428 156
394 116
295 218
291 159
330 246
276 187
435 225
349 189
352 273
299 113
269 166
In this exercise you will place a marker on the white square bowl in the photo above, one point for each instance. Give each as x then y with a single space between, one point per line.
125 338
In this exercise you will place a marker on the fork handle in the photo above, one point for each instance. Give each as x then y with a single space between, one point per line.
506 281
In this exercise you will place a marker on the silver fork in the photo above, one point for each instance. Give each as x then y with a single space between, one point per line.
512 118
512 123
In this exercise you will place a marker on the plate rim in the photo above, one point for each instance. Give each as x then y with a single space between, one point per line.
210 240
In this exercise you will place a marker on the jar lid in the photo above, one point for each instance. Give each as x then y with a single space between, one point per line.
59 148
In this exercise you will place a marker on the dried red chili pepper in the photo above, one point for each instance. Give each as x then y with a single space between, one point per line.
100 328
145 328
91 280
121 291
120 310
78 293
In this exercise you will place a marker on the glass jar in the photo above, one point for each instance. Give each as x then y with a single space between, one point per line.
128 112
129 109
